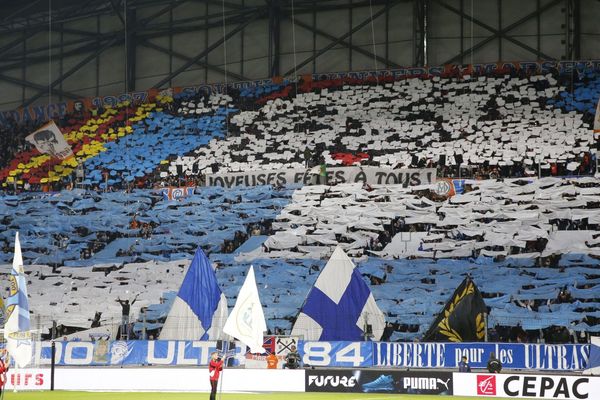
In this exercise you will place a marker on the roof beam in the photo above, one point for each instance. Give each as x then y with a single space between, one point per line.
340 39
37 86
343 42
71 71
200 63
206 51
499 33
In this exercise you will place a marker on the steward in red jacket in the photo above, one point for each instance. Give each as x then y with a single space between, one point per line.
214 371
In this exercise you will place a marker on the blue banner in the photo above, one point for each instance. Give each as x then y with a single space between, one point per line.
554 357
336 354
545 357
134 352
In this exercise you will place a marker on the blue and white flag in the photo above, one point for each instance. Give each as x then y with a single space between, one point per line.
247 319
200 308
340 305
17 330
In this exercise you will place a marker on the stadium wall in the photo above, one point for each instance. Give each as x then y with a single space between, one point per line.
177 380
476 384
452 383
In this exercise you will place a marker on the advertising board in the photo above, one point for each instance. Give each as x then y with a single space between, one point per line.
379 381
527 386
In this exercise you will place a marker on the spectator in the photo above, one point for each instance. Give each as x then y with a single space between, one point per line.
494 366
125 309
307 156
96 320
272 361
292 359
463 365
322 173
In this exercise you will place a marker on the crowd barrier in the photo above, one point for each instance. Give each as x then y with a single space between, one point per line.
541 357
373 380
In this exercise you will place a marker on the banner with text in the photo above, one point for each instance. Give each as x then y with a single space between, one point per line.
28 379
133 352
370 175
378 381
545 357
336 354
555 357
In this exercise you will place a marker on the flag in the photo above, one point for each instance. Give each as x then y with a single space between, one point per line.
200 308
340 305
176 193
50 140
19 342
269 344
593 365
463 317
247 320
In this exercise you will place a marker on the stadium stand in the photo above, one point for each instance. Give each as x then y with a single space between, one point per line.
515 217
502 126
78 228
413 244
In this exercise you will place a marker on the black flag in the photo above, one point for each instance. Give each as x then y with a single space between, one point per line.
462 319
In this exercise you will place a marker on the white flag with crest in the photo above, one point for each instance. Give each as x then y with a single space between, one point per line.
247 320
17 329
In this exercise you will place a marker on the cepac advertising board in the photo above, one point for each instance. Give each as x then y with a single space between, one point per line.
527 386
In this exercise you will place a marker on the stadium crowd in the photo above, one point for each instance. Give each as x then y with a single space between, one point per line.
12 137
318 123
313 124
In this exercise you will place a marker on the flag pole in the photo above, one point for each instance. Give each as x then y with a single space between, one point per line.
222 375
16 381
485 316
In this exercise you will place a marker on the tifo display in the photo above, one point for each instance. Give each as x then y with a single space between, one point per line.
367 233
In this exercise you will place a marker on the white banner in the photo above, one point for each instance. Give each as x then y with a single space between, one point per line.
50 140
526 386
370 175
